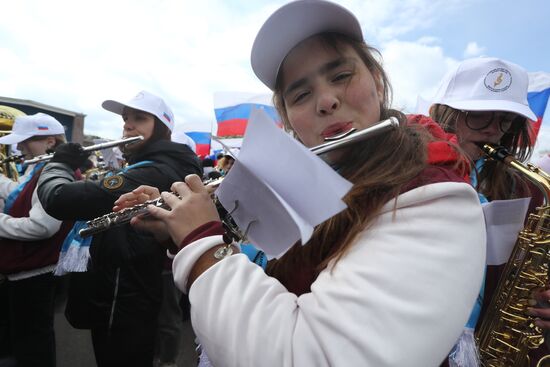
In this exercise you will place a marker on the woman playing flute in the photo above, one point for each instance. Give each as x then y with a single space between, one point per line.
391 280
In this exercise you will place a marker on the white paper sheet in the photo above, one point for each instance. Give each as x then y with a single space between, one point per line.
282 188
308 184
504 219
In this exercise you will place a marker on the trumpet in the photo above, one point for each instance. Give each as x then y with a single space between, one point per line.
91 148
124 216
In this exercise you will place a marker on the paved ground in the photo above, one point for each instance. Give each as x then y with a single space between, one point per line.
74 347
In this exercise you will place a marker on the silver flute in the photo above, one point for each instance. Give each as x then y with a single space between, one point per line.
91 148
124 216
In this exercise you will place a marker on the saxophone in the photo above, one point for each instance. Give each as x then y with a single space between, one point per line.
507 334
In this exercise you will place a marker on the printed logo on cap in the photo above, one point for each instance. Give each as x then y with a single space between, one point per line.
498 80
140 95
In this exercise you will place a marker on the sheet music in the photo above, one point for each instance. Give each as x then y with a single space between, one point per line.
503 219
282 188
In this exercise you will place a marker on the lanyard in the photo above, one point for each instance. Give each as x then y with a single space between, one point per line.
125 169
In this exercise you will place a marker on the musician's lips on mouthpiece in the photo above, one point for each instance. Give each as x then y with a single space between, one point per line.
336 129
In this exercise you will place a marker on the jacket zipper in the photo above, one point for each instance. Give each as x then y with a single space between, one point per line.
111 317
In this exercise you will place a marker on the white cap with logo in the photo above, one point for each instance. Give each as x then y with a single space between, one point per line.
26 127
486 84
292 24
147 102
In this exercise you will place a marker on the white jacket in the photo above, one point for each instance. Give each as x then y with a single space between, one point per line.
399 297
36 226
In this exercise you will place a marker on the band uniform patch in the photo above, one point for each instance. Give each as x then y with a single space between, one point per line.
113 182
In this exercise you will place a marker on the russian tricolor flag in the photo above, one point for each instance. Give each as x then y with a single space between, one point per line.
537 96
233 110
202 141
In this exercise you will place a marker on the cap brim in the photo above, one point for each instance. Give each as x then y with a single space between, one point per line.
118 107
290 25
13 138
113 106
488 105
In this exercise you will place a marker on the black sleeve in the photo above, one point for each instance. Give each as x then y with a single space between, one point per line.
63 198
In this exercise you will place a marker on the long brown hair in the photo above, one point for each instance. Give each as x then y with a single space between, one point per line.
378 169
496 180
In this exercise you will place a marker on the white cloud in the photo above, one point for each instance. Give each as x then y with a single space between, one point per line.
414 69
473 50
385 20
543 145
74 55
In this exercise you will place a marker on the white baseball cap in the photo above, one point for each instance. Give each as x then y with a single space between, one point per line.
178 136
292 24
26 127
486 84
147 102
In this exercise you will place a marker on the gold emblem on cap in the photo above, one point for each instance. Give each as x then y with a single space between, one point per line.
498 80
113 182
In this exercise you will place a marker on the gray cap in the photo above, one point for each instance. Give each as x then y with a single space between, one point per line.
292 24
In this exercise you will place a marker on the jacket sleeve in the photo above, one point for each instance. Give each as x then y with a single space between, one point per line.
63 198
38 225
399 297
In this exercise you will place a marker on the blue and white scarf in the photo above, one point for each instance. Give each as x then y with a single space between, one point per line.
75 251
465 353
15 193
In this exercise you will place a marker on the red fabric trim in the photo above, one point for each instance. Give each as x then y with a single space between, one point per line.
212 228
431 175
442 152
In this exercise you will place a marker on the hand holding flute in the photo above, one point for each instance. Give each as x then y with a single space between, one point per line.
174 225
191 208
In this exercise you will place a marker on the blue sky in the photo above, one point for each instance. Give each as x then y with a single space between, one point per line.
75 54
512 30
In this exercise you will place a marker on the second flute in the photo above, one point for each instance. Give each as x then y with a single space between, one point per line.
91 148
